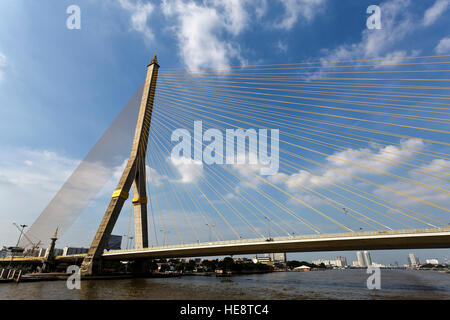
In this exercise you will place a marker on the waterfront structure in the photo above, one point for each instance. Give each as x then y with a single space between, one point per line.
302 268
56 252
41 252
330 263
367 259
378 265
72 250
361 262
432 261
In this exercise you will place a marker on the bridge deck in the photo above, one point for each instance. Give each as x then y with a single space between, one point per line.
381 240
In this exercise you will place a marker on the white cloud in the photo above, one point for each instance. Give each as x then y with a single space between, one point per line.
41 169
295 9
206 31
396 55
202 28
282 46
443 46
140 12
190 170
397 23
28 181
418 191
380 159
325 177
235 17
434 12
155 177
251 171
261 7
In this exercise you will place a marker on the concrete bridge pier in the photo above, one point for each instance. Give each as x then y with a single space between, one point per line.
91 266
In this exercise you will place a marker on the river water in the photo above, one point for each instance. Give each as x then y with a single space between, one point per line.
329 284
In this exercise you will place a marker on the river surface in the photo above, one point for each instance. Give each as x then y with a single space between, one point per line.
329 284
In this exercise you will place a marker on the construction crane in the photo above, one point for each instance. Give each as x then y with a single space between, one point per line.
34 246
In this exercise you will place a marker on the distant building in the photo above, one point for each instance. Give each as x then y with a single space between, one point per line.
31 252
72 250
56 252
277 257
378 265
355 264
265 259
3 253
367 259
360 258
432 261
241 259
41 252
320 261
412 260
343 261
330 263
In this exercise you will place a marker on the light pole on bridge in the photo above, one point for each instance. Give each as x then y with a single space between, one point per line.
23 226
268 225
165 236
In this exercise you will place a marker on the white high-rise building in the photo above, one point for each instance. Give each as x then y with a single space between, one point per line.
343 261
412 260
360 258
367 259
277 257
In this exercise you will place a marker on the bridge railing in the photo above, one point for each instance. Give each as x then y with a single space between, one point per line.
297 237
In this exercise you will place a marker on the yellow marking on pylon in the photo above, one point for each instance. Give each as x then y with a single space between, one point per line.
139 200
120 193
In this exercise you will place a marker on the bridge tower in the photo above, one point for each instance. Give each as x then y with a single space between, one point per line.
133 175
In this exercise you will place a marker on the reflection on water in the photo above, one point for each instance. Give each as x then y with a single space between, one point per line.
330 284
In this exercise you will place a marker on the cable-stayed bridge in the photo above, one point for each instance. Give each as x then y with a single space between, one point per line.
359 153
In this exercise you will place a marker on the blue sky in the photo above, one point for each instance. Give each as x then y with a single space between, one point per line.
60 89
